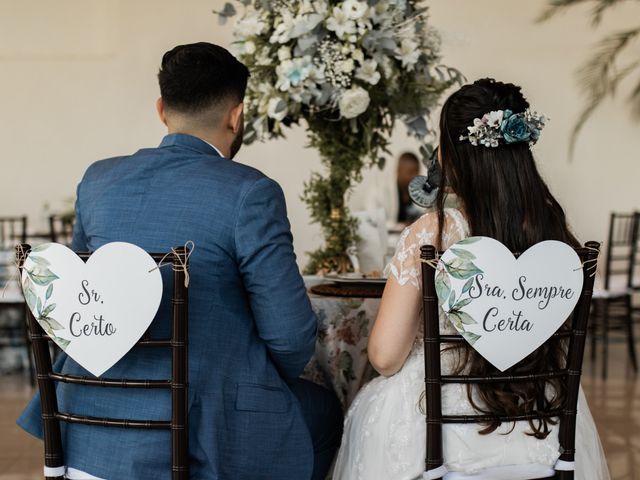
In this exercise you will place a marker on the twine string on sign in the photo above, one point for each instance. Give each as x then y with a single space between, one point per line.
20 258
183 266
433 263
591 264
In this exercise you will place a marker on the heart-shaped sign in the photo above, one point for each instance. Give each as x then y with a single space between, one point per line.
95 311
507 307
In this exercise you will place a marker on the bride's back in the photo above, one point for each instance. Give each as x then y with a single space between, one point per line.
486 134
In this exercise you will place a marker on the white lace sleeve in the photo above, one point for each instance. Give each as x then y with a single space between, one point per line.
405 264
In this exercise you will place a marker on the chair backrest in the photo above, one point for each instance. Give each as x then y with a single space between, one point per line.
621 245
12 230
434 378
61 229
51 416
634 264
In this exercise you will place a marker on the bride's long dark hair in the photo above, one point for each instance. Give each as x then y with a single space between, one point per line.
504 197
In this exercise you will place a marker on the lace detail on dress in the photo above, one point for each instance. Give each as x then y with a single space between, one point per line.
405 265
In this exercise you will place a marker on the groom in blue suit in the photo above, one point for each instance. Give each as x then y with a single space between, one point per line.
251 327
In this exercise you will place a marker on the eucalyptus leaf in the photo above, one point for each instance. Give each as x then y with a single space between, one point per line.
468 240
39 260
462 303
39 306
49 292
47 328
462 269
42 276
48 309
465 318
470 337
465 254
63 343
452 299
54 324
443 287
40 248
467 285
30 295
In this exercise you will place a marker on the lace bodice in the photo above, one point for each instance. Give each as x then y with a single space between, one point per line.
405 265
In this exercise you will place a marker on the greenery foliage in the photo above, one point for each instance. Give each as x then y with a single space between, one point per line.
612 62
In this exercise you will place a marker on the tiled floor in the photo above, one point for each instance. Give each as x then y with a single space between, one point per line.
615 404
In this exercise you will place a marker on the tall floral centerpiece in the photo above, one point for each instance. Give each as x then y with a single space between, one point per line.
346 70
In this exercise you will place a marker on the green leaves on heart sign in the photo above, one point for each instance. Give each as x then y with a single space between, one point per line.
40 275
460 268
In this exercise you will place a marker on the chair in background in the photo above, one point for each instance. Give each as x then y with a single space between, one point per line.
14 337
13 230
612 296
634 273
51 416
434 378
61 228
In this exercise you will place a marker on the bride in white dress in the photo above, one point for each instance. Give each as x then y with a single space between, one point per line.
502 196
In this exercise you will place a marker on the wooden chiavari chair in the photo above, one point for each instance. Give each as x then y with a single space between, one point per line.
178 424
434 379
612 297
13 230
61 229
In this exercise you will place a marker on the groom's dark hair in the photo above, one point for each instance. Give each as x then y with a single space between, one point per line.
199 76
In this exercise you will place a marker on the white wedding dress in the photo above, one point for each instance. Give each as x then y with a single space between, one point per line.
384 432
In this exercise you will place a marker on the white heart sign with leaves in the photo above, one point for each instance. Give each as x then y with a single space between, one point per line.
507 307
95 311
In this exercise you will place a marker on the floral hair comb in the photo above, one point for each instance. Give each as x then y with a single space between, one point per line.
504 127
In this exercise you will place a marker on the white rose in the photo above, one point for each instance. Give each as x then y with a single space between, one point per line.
249 47
354 102
355 9
277 109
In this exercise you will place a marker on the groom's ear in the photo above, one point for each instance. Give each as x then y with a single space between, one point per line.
161 111
236 118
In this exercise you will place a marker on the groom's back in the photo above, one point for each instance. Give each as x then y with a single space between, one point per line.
244 337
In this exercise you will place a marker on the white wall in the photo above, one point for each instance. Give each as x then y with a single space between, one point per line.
77 83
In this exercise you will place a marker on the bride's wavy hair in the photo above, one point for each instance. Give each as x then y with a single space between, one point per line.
503 197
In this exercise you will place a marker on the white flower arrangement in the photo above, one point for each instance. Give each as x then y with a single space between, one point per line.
347 70
320 55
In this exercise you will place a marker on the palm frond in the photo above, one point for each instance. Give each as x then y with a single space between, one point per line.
600 7
557 6
634 100
600 76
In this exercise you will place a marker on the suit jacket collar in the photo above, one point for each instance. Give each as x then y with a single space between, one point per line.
190 142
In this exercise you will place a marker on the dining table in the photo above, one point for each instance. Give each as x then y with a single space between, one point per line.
340 362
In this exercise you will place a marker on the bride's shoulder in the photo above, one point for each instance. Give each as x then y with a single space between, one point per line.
430 219
425 229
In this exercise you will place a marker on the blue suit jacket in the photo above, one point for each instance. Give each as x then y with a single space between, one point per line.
251 327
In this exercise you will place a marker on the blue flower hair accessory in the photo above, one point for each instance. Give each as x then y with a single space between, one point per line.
504 127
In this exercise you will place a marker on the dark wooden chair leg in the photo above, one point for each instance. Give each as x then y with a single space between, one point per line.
593 328
605 339
630 337
27 344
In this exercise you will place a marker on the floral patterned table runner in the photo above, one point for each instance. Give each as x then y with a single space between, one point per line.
340 362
